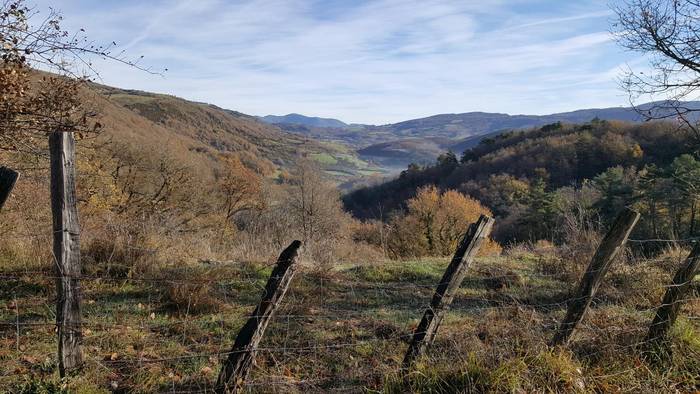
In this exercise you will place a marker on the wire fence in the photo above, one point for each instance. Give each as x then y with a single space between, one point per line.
354 314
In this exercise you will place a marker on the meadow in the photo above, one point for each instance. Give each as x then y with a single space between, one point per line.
345 329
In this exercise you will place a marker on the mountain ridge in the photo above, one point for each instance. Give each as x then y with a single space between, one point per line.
298 119
417 138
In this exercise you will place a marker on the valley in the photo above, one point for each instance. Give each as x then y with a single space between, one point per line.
157 235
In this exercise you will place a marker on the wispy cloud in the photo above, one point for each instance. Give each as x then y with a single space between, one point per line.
372 61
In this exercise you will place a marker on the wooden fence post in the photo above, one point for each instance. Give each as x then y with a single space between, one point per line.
66 250
609 248
237 366
425 333
670 307
8 178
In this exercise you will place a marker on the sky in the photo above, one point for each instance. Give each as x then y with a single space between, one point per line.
363 61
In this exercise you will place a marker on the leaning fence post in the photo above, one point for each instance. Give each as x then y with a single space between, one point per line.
424 334
66 250
240 359
608 249
670 307
8 178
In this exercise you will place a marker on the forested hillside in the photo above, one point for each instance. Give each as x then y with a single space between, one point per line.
532 179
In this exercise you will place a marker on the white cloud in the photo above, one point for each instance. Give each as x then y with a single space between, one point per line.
367 61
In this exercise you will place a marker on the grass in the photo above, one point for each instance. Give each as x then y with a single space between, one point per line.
346 329
324 158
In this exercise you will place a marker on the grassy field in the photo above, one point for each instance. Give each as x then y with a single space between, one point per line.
346 330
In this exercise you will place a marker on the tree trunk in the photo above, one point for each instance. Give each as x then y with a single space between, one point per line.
691 226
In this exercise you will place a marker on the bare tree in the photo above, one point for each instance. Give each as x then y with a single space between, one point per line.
315 205
30 40
668 31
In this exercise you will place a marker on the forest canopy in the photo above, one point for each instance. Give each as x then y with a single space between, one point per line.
533 180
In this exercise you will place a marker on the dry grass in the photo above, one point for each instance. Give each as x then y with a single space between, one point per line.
346 330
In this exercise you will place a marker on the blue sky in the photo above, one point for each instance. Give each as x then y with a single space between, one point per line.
366 61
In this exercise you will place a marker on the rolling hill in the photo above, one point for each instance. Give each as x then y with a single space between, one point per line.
394 146
296 119
458 132
196 132
562 156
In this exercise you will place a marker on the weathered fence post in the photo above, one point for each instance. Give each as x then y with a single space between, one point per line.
670 307
609 248
8 178
424 334
237 366
66 250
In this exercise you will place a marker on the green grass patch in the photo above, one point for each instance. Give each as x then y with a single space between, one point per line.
324 158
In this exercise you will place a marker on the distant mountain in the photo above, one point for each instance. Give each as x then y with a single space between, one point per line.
297 119
394 146
421 140
469 124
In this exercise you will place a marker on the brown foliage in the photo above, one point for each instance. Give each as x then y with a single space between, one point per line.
240 188
434 224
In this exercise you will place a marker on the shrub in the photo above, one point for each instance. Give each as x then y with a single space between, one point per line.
190 290
435 224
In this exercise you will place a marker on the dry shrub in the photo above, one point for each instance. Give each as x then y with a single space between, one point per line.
372 234
519 251
490 248
670 258
358 253
640 281
544 247
189 290
639 285
499 278
118 256
191 298
580 238
405 241
25 223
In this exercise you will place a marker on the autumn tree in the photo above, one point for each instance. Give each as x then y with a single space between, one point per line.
29 41
434 223
240 188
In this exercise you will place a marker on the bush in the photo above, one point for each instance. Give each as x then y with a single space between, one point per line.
190 290
434 225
